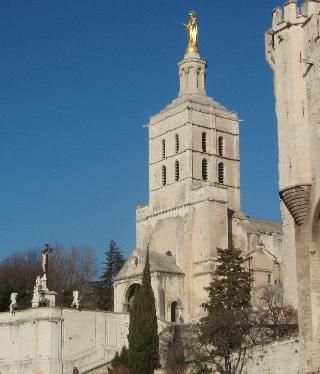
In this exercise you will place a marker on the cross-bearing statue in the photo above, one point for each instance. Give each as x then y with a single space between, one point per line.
42 296
45 258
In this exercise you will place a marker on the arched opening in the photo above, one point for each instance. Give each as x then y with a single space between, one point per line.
176 171
204 142
130 295
205 169
220 146
173 311
177 145
164 175
221 173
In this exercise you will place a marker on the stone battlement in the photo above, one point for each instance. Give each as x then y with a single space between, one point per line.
291 13
288 14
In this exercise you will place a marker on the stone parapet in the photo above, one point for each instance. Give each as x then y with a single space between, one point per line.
292 13
54 340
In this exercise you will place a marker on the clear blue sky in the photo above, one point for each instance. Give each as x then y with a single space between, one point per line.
79 79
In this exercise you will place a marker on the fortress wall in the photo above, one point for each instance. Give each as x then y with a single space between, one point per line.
281 357
54 340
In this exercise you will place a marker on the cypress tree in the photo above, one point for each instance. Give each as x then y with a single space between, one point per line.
143 337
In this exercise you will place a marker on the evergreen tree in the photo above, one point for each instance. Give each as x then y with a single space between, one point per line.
120 361
226 327
143 337
113 264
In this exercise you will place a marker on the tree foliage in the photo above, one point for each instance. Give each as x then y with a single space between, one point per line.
200 368
143 337
113 264
120 362
224 330
273 319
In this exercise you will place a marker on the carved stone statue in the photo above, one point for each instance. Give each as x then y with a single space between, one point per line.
13 303
192 28
36 297
38 282
75 301
39 291
44 282
45 258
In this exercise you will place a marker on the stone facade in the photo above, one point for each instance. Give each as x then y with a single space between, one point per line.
292 50
194 204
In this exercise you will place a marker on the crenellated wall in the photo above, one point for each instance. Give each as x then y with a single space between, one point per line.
293 52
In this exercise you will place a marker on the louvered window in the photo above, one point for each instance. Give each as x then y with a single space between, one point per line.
164 175
205 169
220 146
221 173
176 171
163 148
177 145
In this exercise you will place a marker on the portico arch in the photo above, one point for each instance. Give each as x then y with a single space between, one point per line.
129 296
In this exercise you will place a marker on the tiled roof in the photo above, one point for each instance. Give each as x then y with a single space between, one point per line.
257 226
158 262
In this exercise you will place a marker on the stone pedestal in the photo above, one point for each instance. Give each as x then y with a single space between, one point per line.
50 299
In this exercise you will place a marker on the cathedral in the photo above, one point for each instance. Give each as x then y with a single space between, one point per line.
194 202
194 209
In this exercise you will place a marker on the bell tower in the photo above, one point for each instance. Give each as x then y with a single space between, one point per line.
194 141
194 179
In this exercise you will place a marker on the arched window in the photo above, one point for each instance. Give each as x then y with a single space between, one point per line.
220 146
221 173
176 171
174 311
204 142
177 145
204 169
163 148
164 175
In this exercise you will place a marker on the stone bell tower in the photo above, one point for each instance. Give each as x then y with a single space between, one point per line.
194 182
293 52
194 186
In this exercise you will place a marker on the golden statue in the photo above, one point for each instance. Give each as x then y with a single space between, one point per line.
192 28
